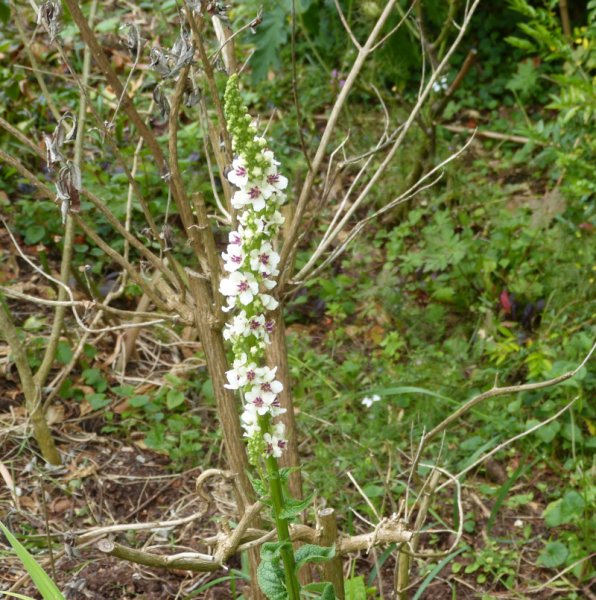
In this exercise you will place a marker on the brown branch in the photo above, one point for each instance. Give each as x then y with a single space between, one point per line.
31 390
104 64
198 562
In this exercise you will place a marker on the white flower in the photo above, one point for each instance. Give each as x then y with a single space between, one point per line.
239 173
264 260
253 195
275 445
250 421
270 158
262 401
269 302
276 180
276 218
243 285
235 237
241 374
265 379
233 258
368 402
440 85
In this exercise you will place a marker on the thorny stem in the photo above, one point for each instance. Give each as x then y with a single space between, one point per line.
283 531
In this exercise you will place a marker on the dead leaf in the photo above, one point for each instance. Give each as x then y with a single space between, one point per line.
55 414
81 473
60 505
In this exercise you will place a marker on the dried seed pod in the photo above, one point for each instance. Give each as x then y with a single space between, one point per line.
49 16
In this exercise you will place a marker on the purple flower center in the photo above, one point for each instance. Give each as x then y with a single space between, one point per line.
254 324
243 286
264 258
254 193
269 326
271 179
240 171
250 375
236 259
281 444
258 402
276 403
269 448
236 239
266 387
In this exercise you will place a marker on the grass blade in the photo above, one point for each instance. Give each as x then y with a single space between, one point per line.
435 572
47 588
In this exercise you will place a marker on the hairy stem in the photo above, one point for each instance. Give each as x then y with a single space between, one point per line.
283 531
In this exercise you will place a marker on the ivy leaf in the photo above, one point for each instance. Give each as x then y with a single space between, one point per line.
311 553
554 555
174 398
564 510
294 507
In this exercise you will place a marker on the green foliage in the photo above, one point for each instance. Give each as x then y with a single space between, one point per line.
492 563
570 140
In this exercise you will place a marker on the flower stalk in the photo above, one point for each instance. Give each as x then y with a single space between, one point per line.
283 531
251 264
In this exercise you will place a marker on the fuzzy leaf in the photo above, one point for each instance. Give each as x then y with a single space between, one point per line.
294 507
311 553
270 574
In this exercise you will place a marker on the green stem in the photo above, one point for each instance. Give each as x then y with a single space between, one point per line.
283 531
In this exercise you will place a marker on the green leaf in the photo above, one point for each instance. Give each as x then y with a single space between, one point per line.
271 36
311 553
174 398
564 510
270 575
294 507
97 401
109 25
554 555
548 432
573 505
355 588
63 352
34 234
324 589
328 592
33 323
138 401
4 11
552 514
46 587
